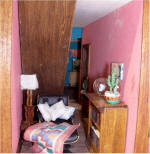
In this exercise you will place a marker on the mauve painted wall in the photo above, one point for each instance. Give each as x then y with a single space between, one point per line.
117 38
16 93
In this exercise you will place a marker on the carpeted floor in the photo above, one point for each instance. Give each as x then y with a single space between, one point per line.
78 147
75 104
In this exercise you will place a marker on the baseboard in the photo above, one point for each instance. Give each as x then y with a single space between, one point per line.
19 145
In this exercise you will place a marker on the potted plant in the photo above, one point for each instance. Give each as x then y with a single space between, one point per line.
112 96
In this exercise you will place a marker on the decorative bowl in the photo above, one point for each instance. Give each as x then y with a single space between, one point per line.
99 86
112 100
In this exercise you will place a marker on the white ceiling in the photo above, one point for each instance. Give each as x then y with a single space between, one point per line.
88 11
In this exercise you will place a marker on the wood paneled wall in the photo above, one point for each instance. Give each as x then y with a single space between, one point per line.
5 69
45 32
141 140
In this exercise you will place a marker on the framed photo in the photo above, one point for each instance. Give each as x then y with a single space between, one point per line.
119 70
75 64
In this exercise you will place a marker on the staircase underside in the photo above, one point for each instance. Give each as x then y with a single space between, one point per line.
45 32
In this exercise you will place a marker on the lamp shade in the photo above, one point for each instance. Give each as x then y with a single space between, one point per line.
29 82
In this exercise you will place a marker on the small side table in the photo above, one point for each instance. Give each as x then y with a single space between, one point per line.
29 113
25 125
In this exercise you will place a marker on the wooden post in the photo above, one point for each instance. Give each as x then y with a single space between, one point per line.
29 108
5 75
27 99
30 98
141 140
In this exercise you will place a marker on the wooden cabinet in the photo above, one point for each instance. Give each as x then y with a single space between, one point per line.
106 125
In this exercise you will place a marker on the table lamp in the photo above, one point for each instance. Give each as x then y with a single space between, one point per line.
29 83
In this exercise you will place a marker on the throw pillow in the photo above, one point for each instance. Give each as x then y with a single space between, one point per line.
44 109
68 112
57 110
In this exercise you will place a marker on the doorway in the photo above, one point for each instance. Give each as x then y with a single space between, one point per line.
84 69
71 86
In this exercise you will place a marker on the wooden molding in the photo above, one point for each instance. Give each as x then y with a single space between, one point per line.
141 140
19 145
88 47
5 75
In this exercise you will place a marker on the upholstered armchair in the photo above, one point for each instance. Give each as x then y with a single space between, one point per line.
52 100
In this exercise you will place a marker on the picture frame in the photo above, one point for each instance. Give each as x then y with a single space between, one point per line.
119 69
75 64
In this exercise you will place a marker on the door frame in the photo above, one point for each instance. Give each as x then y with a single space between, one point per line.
81 64
5 76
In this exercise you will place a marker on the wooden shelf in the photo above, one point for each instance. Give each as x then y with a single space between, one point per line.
94 147
100 104
96 125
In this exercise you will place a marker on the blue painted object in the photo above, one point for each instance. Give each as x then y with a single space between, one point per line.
75 45
76 34
69 68
112 102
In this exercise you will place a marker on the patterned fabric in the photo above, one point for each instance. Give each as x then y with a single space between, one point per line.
49 137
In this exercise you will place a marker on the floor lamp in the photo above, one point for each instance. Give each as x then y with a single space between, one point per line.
29 83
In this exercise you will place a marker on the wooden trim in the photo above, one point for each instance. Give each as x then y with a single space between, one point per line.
76 40
89 53
89 48
5 75
27 102
19 145
30 97
141 140
81 63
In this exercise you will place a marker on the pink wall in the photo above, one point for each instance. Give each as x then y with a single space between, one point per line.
16 93
117 38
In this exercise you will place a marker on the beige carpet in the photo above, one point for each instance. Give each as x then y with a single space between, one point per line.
75 104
